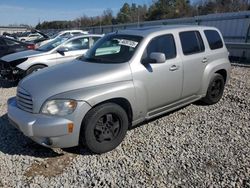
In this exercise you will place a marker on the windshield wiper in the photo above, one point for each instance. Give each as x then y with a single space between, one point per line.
91 59
99 60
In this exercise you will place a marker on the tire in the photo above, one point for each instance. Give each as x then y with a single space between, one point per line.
104 127
215 90
34 68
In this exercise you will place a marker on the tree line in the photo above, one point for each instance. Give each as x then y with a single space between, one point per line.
159 9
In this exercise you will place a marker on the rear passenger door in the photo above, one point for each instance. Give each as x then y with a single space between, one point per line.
194 61
217 49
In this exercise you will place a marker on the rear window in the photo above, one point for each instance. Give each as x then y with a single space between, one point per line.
191 42
214 39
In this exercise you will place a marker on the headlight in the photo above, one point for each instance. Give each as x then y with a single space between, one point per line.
59 107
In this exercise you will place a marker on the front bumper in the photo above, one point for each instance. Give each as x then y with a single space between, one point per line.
49 131
10 73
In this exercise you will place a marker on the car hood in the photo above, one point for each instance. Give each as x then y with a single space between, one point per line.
71 76
23 54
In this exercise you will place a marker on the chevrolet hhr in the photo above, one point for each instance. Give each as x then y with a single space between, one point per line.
127 77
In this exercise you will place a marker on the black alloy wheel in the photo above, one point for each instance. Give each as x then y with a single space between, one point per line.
215 89
104 127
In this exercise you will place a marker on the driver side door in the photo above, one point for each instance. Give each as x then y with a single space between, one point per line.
162 82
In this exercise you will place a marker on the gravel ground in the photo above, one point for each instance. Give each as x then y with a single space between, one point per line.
196 146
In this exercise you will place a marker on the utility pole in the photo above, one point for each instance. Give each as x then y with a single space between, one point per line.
138 18
100 20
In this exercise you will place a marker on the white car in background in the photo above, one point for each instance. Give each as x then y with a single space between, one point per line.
66 33
60 50
30 37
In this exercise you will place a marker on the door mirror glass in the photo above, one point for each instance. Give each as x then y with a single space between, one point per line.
157 57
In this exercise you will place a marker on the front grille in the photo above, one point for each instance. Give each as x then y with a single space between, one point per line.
24 100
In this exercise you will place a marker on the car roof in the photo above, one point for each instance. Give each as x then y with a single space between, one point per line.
87 35
145 31
65 31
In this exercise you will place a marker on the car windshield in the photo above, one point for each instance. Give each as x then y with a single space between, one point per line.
52 44
113 48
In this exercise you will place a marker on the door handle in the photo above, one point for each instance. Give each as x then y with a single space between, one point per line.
174 68
204 60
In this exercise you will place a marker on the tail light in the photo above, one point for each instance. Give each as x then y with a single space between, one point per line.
31 46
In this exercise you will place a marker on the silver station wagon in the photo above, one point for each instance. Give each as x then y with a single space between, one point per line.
127 77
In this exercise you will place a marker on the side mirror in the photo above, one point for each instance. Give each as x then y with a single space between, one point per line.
62 50
157 57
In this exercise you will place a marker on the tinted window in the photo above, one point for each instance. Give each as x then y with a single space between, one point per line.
52 44
96 39
78 44
214 39
163 44
76 33
191 42
65 34
34 35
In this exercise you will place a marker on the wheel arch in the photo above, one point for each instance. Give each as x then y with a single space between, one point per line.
122 102
223 73
42 64
221 66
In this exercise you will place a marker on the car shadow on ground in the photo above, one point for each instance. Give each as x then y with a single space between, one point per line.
13 142
7 84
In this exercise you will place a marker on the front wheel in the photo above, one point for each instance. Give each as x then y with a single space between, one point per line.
215 90
104 127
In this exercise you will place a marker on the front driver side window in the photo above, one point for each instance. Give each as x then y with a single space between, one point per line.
78 44
161 44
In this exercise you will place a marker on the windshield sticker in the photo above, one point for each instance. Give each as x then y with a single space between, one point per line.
128 43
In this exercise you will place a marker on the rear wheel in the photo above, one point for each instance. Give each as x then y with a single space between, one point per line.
34 68
104 128
215 90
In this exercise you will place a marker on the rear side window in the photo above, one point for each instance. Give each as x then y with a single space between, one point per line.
163 44
214 39
191 42
96 39
78 44
76 33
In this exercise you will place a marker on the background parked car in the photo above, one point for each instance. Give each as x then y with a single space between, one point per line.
66 33
8 35
8 46
27 37
16 66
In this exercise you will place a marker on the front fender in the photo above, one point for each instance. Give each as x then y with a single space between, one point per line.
98 94
211 68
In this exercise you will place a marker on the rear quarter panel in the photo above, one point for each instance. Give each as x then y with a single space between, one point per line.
211 69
